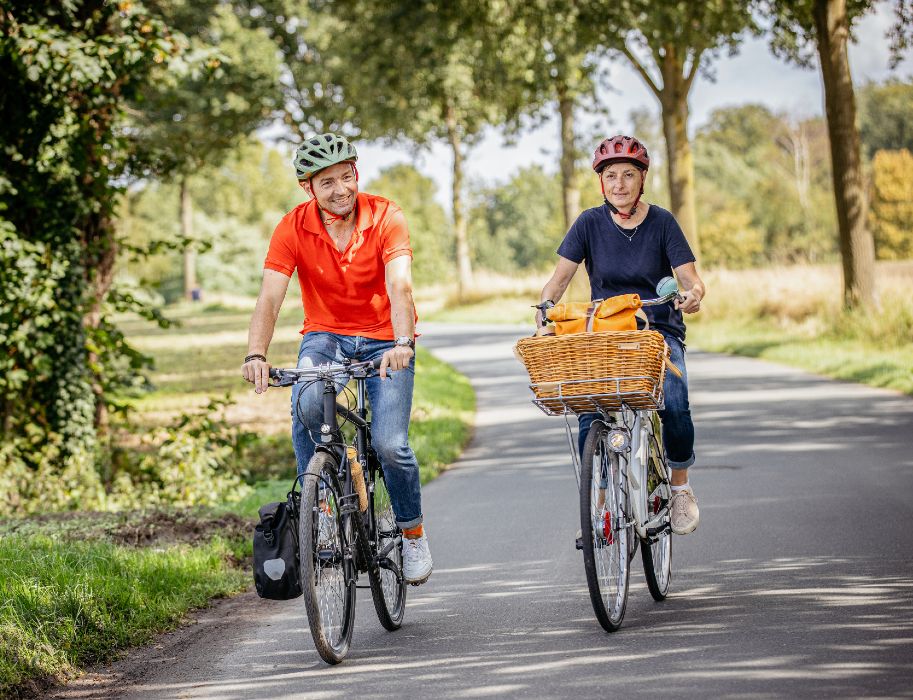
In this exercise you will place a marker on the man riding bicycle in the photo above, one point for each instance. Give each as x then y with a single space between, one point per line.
628 246
354 261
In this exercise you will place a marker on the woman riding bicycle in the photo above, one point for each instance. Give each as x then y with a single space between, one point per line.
628 246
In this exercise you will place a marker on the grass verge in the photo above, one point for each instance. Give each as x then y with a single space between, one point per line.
72 593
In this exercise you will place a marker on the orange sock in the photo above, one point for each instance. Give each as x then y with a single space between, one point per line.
413 533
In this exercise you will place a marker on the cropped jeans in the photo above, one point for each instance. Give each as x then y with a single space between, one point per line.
678 430
391 404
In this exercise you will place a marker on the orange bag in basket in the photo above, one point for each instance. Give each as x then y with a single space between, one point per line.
613 314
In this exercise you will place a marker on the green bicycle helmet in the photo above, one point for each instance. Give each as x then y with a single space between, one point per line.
321 152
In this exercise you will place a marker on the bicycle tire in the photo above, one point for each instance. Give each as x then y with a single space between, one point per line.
327 576
388 587
605 536
657 557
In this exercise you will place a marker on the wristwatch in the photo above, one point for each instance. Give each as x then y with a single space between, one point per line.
405 340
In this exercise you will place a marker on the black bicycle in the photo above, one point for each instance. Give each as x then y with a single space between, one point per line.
346 524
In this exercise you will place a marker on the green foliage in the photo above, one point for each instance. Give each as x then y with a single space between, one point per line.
195 461
429 230
67 71
442 411
728 238
229 87
891 210
198 460
884 116
793 32
763 186
238 203
518 226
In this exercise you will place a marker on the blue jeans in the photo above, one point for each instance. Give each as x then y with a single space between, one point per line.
391 405
678 430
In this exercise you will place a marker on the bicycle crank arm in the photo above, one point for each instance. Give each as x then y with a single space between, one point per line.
386 563
395 542
654 533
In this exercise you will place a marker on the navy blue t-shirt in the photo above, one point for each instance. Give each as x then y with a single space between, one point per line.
617 265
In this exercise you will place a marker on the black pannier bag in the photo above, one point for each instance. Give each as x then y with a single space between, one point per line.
276 572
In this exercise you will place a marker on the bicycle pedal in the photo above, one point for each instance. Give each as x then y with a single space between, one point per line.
579 543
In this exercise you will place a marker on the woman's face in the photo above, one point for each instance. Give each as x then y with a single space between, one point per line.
622 183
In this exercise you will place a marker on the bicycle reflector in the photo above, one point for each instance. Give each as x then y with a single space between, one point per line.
619 440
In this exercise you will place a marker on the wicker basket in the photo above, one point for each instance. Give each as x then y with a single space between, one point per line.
583 372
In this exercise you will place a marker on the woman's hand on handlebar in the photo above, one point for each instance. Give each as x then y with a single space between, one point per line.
395 358
689 302
256 372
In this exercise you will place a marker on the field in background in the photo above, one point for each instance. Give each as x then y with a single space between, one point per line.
785 314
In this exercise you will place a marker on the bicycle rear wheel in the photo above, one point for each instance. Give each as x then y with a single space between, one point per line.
657 557
605 533
388 587
327 576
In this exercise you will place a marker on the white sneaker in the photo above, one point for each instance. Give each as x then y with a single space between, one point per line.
416 560
685 514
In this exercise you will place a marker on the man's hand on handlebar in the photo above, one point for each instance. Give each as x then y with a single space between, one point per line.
395 358
688 302
256 371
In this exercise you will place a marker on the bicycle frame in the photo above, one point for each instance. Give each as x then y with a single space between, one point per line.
331 441
634 460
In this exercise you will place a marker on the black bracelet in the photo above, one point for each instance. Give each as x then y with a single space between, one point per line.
255 356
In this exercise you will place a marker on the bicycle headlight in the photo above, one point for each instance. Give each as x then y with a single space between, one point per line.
619 440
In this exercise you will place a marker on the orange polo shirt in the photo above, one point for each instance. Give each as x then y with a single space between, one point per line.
345 292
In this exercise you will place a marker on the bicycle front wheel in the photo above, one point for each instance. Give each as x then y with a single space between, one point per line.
657 556
327 576
388 587
604 528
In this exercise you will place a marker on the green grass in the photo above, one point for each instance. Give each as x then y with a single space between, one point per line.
68 603
495 309
851 359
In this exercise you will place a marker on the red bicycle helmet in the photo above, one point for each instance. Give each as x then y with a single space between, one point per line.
621 149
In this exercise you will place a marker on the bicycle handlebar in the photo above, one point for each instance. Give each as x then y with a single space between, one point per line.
328 370
664 284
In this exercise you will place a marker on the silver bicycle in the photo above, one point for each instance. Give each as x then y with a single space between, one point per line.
623 479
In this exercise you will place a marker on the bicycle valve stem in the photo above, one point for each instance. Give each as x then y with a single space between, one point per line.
358 479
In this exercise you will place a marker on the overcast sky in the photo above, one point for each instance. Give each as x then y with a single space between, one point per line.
752 76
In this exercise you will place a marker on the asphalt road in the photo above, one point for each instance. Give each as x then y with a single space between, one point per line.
798 582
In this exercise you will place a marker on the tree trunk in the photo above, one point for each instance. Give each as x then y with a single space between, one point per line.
680 163
857 247
100 232
570 193
190 255
579 288
460 225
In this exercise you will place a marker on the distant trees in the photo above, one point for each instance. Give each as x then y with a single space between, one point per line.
891 212
801 30
429 230
194 121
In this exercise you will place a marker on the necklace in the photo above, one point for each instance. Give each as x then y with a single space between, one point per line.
623 231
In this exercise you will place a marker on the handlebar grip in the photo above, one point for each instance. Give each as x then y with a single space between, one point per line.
375 363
